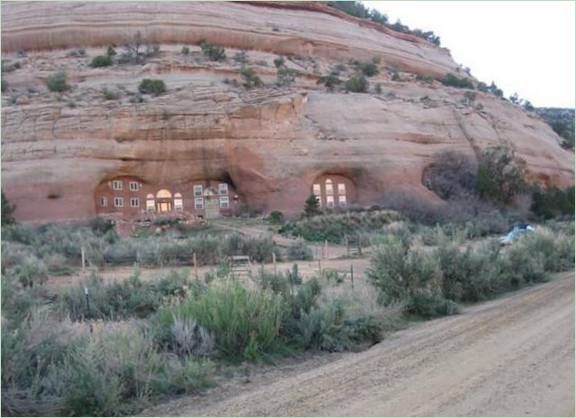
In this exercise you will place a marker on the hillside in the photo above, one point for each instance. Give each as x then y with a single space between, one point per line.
269 143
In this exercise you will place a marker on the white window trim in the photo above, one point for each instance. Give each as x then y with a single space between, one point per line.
117 185
134 199
198 203
342 200
223 188
118 202
224 202
329 201
198 190
341 188
133 186
179 204
103 202
150 205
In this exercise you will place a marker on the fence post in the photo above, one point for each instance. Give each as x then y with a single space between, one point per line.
320 266
352 275
274 262
83 254
347 246
194 261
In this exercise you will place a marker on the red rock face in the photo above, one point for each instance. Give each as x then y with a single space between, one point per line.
269 144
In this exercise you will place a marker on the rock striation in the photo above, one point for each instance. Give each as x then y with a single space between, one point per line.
270 143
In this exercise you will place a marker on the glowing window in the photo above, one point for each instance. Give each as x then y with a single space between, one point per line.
342 200
163 194
134 202
199 203
117 185
316 190
329 201
329 187
119 202
103 202
341 188
224 202
222 188
198 189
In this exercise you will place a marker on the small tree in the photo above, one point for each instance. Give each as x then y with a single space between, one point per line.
330 81
500 174
7 211
357 84
251 80
311 206
101 61
213 52
153 87
57 82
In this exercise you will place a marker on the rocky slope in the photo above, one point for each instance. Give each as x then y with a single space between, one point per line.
270 142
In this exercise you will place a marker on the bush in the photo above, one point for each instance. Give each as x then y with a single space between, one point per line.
251 80
213 52
428 305
331 81
110 51
276 217
399 272
500 174
7 211
299 251
153 87
57 82
311 206
286 76
369 69
245 323
357 84
451 174
4 85
101 61
185 50
110 95
453 81
552 202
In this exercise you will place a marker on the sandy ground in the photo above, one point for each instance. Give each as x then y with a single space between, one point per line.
513 356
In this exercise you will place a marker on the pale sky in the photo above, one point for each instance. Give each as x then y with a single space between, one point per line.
526 47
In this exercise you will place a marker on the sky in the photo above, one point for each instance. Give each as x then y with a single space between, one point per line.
525 47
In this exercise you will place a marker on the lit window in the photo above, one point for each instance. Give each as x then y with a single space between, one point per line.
119 202
329 187
329 201
316 190
134 202
199 203
134 186
103 202
223 188
224 202
341 188
178 202
342 200
117 185
198 190
150 205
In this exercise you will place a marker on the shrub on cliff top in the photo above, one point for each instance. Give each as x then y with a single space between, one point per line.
57 82
357 84
453 81
213 52
153 87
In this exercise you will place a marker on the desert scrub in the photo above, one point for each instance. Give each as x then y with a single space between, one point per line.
245 323
298 250
153 87
101 61
212 51
57 82
335 227
251 80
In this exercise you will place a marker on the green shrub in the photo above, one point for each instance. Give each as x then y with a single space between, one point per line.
153 87
298 250
357 84
331 81
369 69
427 305
500 174
552 202
251 80
399 272
31 271
185 50
101 61
4 85
57 82
213 52
286 76
7 210
245 323
276 217
453 81
110 95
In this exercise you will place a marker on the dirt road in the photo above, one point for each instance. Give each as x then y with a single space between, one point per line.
511 356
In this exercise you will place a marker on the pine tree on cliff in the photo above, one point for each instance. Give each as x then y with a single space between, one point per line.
7 211
311 206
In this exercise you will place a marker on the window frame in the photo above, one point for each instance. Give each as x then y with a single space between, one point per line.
136 185
118 202
117 185
135 199
198 190
223 199
221 187
103 202
199 202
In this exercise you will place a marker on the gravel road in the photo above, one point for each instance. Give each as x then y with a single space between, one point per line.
513 356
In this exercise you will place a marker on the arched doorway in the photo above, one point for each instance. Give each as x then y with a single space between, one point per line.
163 201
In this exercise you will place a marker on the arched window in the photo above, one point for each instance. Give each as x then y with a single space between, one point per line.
150 206
178 202
329 187
163 194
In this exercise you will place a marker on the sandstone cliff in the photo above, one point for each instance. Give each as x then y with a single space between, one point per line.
270 142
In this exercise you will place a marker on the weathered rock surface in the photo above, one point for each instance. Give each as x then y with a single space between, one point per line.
270 142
